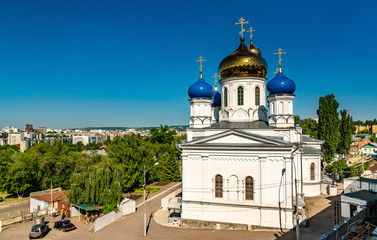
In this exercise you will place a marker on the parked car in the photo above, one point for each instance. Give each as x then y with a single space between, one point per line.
38 231
64 225
1 199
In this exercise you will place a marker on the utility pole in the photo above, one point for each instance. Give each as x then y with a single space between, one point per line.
145 209
297 220
52 203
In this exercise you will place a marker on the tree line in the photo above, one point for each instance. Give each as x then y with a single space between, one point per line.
92 179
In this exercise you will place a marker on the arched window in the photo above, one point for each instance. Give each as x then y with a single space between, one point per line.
225 97
219 186
249 188
240 95
312 172
257 96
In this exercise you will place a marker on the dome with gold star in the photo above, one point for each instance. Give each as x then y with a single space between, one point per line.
243 62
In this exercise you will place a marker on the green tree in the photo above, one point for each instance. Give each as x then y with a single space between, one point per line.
310 127
328 125
346 130
168 168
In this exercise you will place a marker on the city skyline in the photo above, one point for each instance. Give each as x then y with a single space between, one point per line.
114 63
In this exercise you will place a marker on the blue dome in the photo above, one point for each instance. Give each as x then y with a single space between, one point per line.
216 99
280 84
200 89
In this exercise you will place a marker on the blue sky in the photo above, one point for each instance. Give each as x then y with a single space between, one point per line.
68 64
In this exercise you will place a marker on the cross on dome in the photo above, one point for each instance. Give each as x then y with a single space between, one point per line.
242 22
251 30
215 76
280 52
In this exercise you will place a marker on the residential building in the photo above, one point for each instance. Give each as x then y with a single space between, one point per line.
15 138
369 149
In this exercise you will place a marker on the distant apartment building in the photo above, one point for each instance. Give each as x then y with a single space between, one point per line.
83 139
29 135
42 130
15 138
11 130
372 129
25 145
87 139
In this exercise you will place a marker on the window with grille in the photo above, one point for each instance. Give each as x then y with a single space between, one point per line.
225 97
249 188
312 171
240 95
219 186
257 96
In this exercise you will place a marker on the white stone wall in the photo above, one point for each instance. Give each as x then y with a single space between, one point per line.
34 205
281 111
249 111
271 185
200 112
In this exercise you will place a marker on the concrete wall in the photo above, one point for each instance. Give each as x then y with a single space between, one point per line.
34 205
166 200
105 220
127 206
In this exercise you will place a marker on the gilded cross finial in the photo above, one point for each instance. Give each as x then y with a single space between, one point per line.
280 52
251 30
242 22
201 65
215 76
277 71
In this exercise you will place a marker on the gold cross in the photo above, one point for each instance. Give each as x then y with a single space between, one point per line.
277 71
201 61
242 22
280 52
215 76
251 30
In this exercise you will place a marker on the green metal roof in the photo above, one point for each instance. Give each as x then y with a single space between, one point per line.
86 207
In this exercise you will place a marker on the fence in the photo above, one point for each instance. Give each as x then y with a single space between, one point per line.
348 226
19 216
127 206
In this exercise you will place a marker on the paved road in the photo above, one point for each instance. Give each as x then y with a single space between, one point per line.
14 207
131 227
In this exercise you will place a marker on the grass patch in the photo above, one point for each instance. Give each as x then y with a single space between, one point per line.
148 189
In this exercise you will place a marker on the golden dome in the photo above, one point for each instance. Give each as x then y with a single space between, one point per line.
243 63
254 49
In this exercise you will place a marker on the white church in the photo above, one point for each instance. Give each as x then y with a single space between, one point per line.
242 164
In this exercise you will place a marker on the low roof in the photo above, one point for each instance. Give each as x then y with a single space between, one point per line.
370 145
87 207
365 195
46 197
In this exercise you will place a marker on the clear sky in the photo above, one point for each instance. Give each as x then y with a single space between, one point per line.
68 64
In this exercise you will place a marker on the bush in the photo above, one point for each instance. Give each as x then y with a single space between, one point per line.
108 208
147 189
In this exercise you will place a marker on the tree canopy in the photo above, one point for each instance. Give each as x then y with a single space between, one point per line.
328 125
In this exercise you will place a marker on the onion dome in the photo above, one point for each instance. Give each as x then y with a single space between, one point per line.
243 63
200 89
216 98
254 49
281 85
